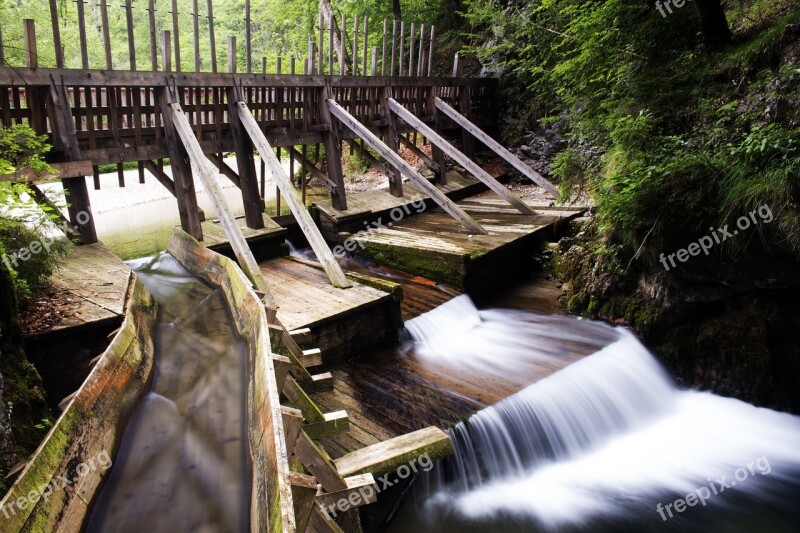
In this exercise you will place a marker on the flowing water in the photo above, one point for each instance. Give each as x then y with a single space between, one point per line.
607 444
183 464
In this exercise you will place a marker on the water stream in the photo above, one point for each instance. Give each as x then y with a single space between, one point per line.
607 444
183 464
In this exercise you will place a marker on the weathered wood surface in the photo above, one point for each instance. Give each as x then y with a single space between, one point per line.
497 187
405 169
89 430
499 149
272 502
298 208
431 244
388 455
95 281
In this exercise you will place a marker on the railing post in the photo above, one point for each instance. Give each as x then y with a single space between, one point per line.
392 139
436 152
248 180
333 149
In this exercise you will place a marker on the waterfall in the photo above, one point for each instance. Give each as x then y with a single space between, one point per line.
608 443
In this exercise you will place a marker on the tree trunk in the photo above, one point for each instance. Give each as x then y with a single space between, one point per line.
714 24
326 9
396 12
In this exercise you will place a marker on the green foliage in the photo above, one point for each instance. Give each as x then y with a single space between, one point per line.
683 139
20 147
22 222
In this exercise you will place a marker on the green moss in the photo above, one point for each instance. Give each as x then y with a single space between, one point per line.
447 268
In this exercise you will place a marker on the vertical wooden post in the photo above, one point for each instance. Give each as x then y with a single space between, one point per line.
166 53
129 25
212 41
421 54
248 45
153 36
401 51
248 180
232 54
56 34
383 52
176 35
455 65
374 69
394 46
321 47
106 36
392 140
342 43
355 45
436 152
430 51
333 149
331 45
179 162
366 46
312 64
29 36
467 139
196 35
411 37
2 49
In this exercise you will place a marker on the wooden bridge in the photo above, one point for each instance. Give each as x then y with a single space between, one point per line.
189 120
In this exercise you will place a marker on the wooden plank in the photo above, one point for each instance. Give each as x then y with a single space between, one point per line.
295 394
316 460
232 54
363 487
282 364
444 202
176 35
205 172
69 168
284 183
388 455
311 357
411 37
248 39
292 423
471 167
320 522
131 43
106 34
151 19
430 51
196 35
211 39
401 51
304 490
29 36
420 154
366 46
248 180
496 147
383 49
336 422
181 171
355 46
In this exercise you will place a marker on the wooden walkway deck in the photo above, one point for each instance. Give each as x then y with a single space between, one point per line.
434 245
96 281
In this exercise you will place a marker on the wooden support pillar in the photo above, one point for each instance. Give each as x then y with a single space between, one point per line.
392 139
176 35
467 140
333 150
248 179
212 41
151 19
232 54
29 36
436 152
181 169
304 491
56 34
106 34
80 208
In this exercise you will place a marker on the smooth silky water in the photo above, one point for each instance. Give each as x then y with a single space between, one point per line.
607 444
183 464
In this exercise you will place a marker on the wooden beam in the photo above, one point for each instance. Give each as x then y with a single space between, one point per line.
395 160
318 462
284 183
151 19
176 35
69 168
420 154
363 485
334 423
181 171
212 41
388 455
56 34
471 167
292 423
392 138
295 394
248 180
311 167
106 34
282 364
496 147
320 522
205 171
333 150
304 491
29 36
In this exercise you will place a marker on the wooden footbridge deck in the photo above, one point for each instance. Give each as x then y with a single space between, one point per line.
283 308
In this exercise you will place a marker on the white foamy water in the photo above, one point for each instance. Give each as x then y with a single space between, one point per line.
599 445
